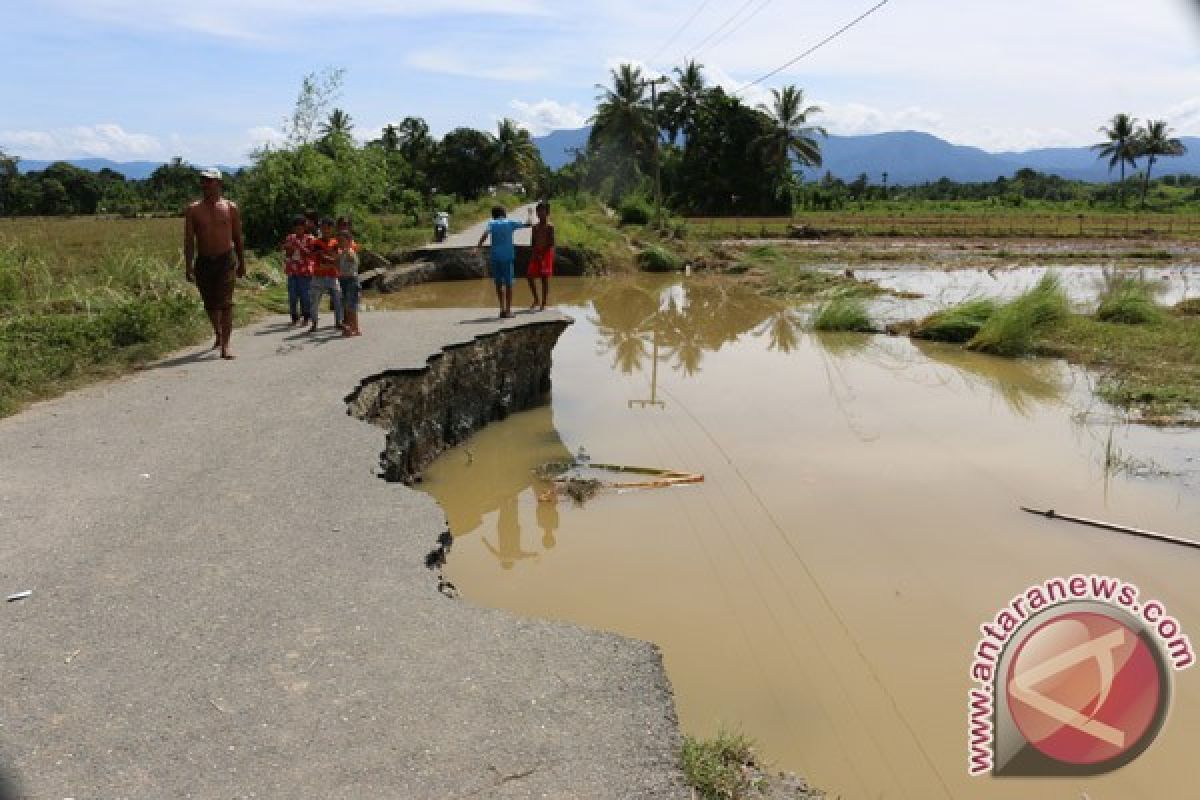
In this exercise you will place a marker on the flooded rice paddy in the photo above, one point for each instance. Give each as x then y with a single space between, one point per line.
939 288
823 589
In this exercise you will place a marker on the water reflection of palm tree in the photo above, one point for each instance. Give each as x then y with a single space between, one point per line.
624 316
694 319
682 336
782 330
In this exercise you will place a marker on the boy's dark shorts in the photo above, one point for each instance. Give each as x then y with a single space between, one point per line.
215 277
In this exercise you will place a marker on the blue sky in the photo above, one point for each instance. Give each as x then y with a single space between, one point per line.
150 79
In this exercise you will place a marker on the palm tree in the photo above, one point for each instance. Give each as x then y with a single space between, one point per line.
390 139
623 116
1121 147
1153 141
339 124
682 100
516 153
792 136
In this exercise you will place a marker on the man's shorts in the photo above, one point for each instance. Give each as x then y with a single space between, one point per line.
215 276
502 273
541 265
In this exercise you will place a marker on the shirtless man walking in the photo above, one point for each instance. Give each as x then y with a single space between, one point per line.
214 227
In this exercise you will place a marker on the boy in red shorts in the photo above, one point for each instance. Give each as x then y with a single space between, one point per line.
541 260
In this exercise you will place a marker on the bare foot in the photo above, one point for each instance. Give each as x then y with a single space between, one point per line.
228 356
313 329
542 307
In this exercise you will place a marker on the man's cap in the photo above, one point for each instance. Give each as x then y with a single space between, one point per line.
212 173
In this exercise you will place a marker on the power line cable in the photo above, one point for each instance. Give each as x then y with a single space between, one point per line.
816 46
721 28
737 27
679 31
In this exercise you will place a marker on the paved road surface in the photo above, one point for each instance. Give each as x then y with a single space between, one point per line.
227 603
470 236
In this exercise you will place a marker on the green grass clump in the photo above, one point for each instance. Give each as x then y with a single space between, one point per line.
1130 302
844 311
658 259
958 323
1188 307
1014 328
635 210
722 768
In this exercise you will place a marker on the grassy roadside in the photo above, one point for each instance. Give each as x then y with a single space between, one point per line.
67 322
726 768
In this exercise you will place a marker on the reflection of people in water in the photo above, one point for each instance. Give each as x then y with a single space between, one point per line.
547 520
508 535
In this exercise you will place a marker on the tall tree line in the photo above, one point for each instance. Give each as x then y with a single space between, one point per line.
718 155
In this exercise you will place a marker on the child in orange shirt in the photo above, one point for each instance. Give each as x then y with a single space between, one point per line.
325 275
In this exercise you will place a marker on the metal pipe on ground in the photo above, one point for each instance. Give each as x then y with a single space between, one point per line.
1109 526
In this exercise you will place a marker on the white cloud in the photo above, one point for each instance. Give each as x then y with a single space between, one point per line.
543 116
447 62
259 20
1184 117
265 135
104 140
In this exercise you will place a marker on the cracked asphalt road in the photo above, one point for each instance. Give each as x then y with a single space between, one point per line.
227 603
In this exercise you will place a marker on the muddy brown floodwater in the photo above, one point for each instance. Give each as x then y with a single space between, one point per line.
823 589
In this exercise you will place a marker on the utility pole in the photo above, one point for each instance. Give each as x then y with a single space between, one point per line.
654 84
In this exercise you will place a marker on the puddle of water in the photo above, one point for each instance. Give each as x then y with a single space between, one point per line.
823 589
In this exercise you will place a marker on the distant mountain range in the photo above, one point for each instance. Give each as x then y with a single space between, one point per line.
908 157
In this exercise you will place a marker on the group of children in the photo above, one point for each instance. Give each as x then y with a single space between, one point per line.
322 259
503 256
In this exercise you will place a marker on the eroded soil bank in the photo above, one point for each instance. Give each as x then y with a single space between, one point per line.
823 589
459 391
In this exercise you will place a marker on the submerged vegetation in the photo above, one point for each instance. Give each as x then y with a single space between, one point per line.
1154 368
1014 328
1129 301
843 312
958 324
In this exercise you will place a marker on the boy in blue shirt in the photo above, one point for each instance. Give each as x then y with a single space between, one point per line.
501 229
